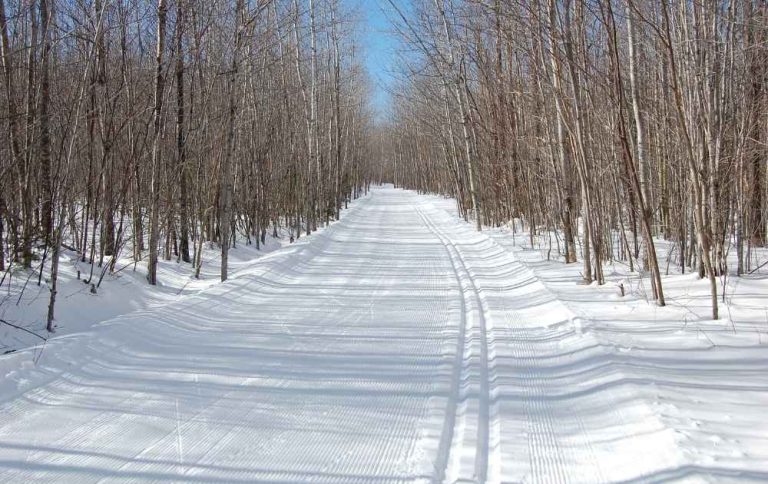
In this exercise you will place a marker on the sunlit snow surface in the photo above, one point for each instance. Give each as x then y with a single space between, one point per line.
396 345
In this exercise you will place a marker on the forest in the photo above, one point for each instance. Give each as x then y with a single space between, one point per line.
383 241
152 128
149 129
606 123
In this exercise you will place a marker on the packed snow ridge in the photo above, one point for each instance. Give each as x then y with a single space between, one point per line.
398 345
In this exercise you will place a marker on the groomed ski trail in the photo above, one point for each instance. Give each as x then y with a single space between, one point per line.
397 345
462 452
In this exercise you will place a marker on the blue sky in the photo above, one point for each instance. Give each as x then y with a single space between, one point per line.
381 47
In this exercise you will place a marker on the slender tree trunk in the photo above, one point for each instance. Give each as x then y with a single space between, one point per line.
181 158
704 239
27 202
225 209
641 186
459 83
46 209
562 145
154 215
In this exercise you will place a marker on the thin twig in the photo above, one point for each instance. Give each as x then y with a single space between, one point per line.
23 329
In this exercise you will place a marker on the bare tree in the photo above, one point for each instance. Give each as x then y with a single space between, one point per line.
154 209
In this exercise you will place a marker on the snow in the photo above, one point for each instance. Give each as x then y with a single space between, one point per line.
395 345
25 304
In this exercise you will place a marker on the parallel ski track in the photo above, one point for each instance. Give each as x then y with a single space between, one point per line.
487 412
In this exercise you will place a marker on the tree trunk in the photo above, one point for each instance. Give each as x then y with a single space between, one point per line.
46 208
154 215
181 161
225 199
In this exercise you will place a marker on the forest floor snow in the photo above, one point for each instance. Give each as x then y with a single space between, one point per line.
25 304
396 345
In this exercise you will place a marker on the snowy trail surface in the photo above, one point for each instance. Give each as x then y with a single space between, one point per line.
397 345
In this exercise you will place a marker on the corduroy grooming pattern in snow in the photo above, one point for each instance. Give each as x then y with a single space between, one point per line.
398 345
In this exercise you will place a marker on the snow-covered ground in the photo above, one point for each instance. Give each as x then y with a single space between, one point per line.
656 394
398 345
25 304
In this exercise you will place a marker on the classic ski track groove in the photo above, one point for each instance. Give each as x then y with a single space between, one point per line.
487 412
